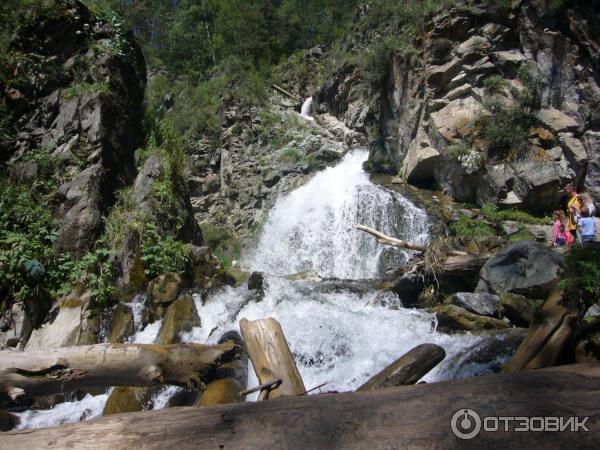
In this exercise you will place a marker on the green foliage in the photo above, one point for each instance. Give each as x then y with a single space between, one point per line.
531 97
116 222
441 48
78 89
96 271
313 163
507 129
160 254
292 154
173 175
495 83
27 232
494 214
465 227
223 244
581 275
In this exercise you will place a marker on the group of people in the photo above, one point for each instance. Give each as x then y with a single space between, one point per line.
580 222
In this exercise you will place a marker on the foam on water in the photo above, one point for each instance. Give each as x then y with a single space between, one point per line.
87 408
311 228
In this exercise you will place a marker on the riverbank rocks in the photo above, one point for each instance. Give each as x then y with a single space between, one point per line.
121 325
478 303
525 267
164 288
452 318
519 309
181 316
125 399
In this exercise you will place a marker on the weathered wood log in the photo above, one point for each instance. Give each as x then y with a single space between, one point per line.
395 242
271 357
284 92
408 369
227 380
547 336
414 417
37 373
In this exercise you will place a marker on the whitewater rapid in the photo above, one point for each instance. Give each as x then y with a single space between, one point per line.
339 336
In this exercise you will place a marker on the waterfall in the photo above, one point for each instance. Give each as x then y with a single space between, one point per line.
311 229
305 110
340 336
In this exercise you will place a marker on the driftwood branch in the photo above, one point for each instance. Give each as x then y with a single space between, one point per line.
408 369
400 417
271 357
395 242
39 373
284 92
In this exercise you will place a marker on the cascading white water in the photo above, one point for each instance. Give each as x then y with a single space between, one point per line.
305 109
340 337
311 228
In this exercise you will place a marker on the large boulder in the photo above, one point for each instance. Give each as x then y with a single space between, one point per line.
121 325
518 309
164 288
480 303
525 267
181 316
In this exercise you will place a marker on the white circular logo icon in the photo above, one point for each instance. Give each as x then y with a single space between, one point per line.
465 424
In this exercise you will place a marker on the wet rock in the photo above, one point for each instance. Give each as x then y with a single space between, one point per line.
72 322
8 421
15 326
486 356
164 288
452 318
257 281
181 316
121 326
518 309
309 275
510 227
482 304
525 267
125 399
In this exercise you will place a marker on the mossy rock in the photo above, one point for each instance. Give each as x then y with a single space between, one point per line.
181 316
121 325
164 288
125 399
454 318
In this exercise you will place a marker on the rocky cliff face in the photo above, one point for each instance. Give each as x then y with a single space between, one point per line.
497 105
76 96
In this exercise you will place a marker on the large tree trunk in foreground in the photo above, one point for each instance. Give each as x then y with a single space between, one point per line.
31 374
547 335
408 369
271 357
401 417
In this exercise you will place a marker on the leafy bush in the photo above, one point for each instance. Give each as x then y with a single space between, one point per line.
507 128
441 48
468 228
224 245
581 276
531 97
495 83
160 254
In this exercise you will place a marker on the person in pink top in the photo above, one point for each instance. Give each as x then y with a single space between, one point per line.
560 237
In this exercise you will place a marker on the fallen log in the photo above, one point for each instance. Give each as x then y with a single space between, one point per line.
39 373
408 369
395 242
286 93
227 380
401 417
548 334
271 357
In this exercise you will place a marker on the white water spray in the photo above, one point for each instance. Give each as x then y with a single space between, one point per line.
306 109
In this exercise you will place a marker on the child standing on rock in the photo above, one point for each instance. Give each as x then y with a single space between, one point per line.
560 237
587 226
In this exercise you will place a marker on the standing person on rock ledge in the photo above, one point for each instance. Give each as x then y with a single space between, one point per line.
573 207
587 226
